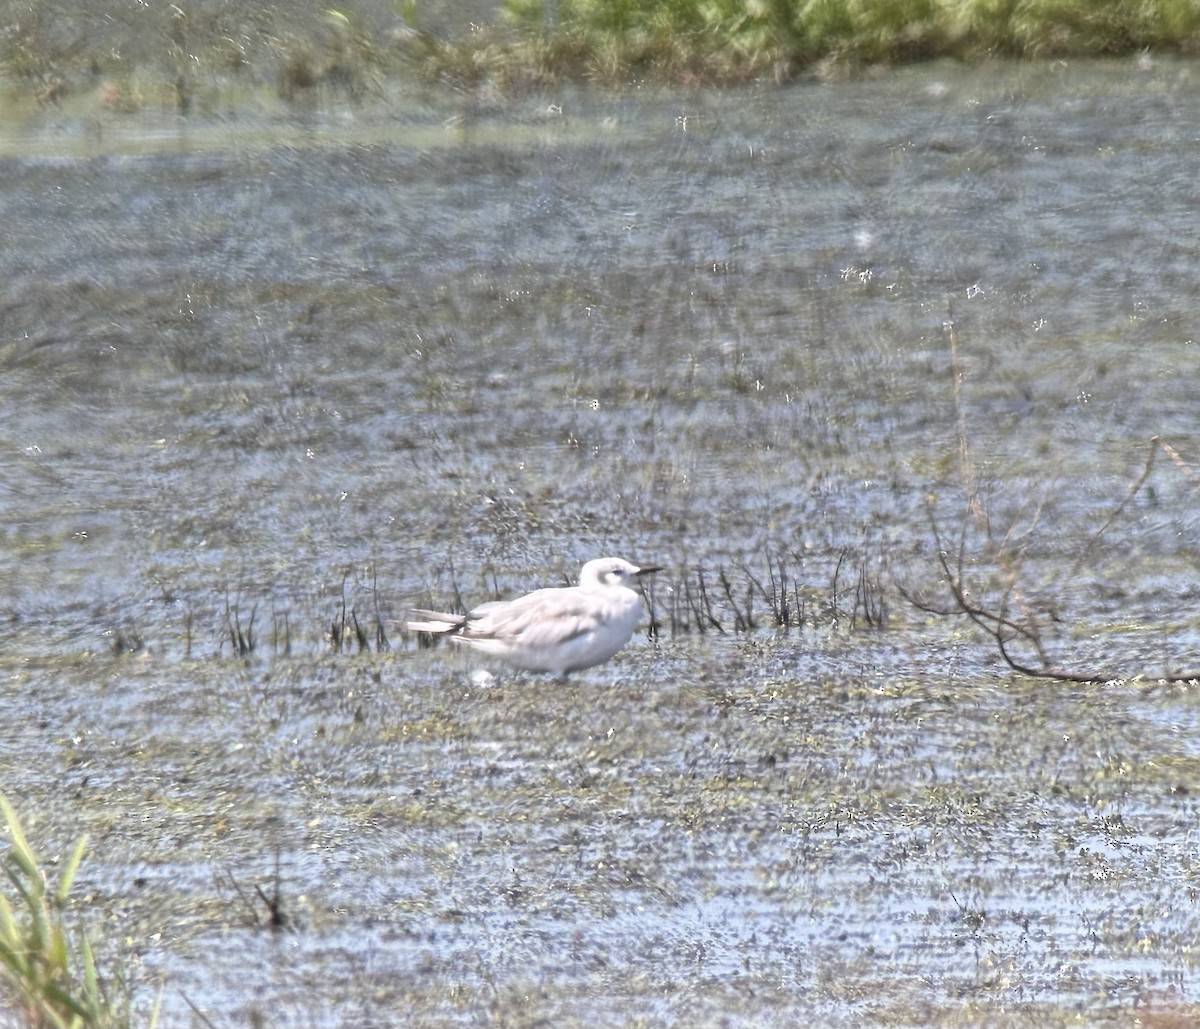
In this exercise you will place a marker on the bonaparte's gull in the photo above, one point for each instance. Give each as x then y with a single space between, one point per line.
559 630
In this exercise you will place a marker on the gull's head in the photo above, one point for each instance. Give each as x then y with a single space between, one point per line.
612 571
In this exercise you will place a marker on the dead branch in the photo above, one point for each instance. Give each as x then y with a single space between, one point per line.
1116 512
1023 631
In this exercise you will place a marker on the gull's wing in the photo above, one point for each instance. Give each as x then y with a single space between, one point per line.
544 618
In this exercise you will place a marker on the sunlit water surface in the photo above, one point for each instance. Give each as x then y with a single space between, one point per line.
268 377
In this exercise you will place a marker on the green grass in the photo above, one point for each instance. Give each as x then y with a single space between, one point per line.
47 973
737 39
198 57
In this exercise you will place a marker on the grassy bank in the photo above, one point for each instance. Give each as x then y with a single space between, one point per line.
176 55
732 40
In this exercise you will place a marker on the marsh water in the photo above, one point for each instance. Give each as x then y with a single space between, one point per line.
269 377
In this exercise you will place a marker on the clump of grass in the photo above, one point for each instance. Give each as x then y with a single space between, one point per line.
49 976
343 57
277 917
742 600
242 639
346 631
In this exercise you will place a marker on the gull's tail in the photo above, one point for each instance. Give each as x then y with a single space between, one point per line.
437 622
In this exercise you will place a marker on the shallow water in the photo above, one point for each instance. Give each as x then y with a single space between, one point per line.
268 378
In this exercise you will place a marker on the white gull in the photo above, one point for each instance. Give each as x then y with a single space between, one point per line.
560 629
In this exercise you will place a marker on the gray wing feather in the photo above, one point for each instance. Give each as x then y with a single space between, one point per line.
534 621
420 620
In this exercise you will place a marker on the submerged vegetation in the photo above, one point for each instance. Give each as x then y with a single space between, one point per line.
183 55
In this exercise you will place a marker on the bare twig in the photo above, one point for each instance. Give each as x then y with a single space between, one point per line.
966 469
1180 463
995 619
1116 511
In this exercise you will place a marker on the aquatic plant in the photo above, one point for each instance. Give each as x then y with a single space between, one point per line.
48 972
346 631
241 638
277 918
